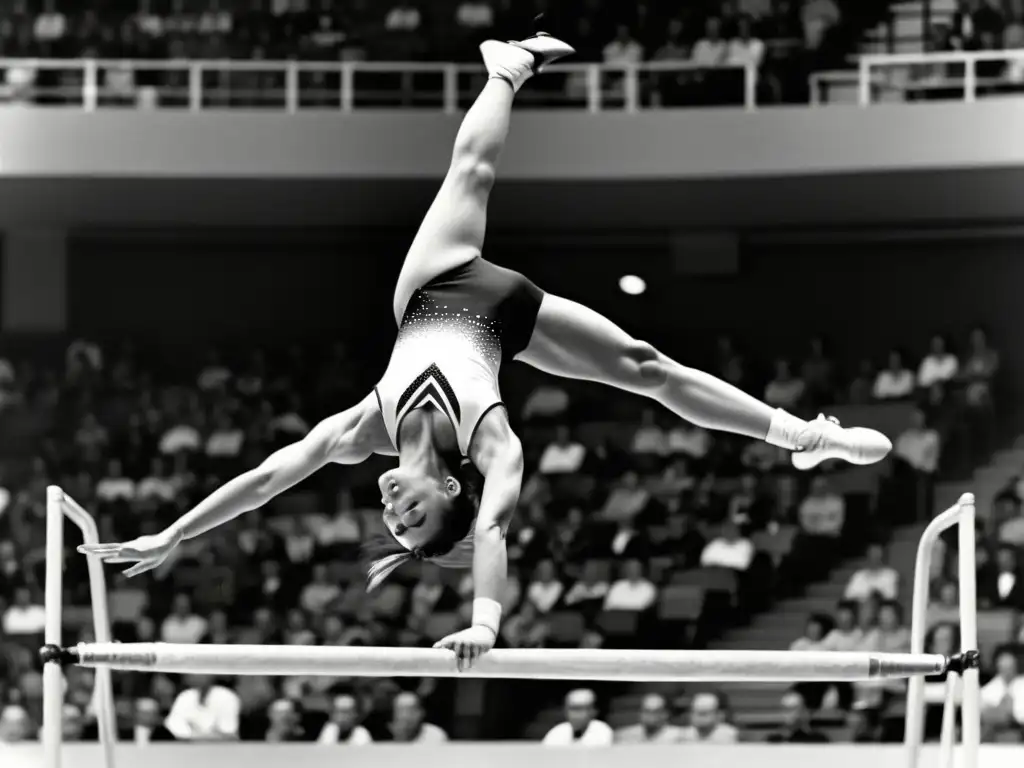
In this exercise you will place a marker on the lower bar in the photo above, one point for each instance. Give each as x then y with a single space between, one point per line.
547 664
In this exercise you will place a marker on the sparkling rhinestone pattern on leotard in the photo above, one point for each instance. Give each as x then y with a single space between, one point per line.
447 355
429 321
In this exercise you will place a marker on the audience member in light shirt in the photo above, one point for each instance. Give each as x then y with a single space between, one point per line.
581 728
1002 700
939 366
876 577
896 382
563 456
632 592
545 591
654 726
729 550
707 721
846 636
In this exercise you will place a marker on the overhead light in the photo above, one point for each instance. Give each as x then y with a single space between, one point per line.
632 285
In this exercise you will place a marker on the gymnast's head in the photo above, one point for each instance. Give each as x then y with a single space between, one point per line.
429 509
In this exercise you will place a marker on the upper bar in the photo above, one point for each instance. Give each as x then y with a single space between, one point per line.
547 664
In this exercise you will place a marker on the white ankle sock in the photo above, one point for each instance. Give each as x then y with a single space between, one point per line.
784 430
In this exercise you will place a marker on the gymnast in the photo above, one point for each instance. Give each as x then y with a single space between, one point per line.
438 409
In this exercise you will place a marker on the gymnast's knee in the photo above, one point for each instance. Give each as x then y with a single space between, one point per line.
645 365
472 171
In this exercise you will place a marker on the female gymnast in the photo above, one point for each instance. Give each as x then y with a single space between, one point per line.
438 409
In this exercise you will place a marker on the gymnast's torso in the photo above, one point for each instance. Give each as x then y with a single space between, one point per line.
455 333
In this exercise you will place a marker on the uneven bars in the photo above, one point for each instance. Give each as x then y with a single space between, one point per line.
914 728
58 506
541 664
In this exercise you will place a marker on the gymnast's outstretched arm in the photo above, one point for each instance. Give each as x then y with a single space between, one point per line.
346 438
498 455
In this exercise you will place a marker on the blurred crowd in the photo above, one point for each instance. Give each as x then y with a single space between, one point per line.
634 531
784 39
977 25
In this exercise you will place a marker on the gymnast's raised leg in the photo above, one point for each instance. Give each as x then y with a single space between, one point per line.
574 341
452 232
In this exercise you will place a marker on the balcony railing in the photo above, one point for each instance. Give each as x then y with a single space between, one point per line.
294 86
943 74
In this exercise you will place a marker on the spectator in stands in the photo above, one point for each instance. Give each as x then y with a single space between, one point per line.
1002 700
711 49
226 439
918 451
649 439
343 726
525 629
1002 586
147 724
877 577
784 390
896 382
182 437
547 402
545 591
707 721
157 486
297 630
204 711
15 724
797 728
939 366
729 550
819 17
581 727
589 591
115 485
215 375
945 609
623 48
72 723
654 726
670 86
284 722
407 724
564 456
846 635
626 501
25 616
1009 519
745 49
814 634
631 592
475 19
183 625
822 517
91 439
979 369
690 441
321 592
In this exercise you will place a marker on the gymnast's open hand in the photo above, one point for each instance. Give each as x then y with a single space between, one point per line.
468 645
147 552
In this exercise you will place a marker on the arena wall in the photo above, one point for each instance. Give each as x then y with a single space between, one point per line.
501 756
543 146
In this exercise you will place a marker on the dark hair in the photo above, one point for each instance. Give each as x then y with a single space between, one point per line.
382 550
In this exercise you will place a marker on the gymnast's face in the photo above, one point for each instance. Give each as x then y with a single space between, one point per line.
415 505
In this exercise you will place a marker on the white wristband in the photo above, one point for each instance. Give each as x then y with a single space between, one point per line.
487 613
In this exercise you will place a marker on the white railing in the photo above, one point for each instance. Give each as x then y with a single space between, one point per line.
890 72
292 86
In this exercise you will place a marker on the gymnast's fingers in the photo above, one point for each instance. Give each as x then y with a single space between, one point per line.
138 568
99 550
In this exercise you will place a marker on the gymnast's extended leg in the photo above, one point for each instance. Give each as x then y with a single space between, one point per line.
452 232
574 341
